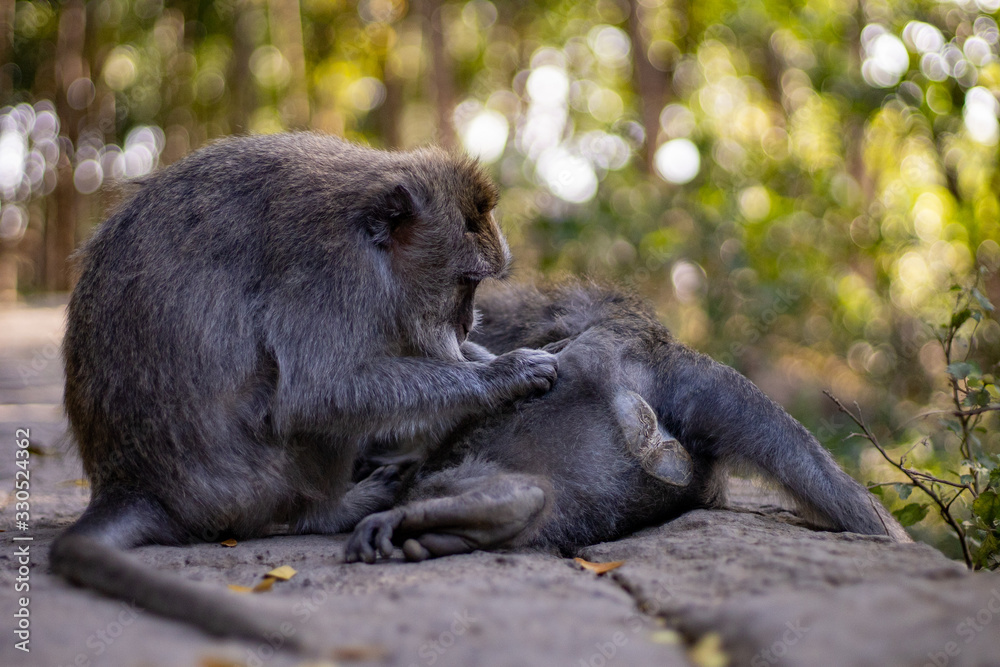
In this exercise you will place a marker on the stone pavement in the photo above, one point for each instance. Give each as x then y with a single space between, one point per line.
748 586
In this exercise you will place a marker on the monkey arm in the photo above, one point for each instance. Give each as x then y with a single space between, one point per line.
493 513
402 396
474 352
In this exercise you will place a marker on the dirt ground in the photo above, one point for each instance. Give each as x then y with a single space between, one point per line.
747 586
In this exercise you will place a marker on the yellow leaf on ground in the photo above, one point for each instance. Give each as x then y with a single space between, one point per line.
359 653
264 585
213 661
229 543
284 573
599 568
708 652
666 637
239 589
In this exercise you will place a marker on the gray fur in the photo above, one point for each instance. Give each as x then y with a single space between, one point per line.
252 319
586 458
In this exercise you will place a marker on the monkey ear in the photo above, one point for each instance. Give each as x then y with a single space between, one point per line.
391 212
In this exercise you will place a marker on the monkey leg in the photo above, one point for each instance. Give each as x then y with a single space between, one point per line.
376 492
493 512
659 453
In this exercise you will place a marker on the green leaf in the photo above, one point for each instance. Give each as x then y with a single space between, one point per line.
911 514
987 508
959 318
989 548
953 426
877 490
903 490
962 369
977 398
984 303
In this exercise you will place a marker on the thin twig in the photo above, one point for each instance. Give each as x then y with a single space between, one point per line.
993 407
874 484
914 479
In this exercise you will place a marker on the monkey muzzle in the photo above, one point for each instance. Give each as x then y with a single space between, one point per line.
465 312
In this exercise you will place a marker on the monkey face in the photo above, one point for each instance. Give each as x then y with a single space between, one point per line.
465 312
442 241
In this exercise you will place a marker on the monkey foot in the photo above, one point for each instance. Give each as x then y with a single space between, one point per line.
658 452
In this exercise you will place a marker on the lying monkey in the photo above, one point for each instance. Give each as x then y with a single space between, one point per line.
246 324
594 459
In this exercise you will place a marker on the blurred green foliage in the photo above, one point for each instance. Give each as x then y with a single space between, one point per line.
795 185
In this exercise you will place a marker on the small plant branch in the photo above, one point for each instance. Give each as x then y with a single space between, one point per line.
993 407
937 480
917 478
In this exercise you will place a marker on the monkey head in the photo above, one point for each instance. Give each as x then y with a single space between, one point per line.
433 219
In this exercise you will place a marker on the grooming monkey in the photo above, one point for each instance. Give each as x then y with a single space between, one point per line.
598 457
247 323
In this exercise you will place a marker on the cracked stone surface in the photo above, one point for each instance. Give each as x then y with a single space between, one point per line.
775 591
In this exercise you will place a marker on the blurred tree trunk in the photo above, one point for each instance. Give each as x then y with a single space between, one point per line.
388 113
181 127
8 250
6 50
70 65
243 97
649 84
441 74
285 19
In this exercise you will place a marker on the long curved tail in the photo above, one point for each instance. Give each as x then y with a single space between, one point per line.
92 554
718 413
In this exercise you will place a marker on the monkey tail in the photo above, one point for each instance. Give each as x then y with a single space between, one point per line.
91 553
721 416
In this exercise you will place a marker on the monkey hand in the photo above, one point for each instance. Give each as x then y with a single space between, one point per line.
522 372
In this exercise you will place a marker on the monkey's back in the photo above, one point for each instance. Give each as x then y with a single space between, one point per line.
570 442
202 304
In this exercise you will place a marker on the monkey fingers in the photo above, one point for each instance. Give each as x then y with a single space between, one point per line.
523 372
493 513
435 545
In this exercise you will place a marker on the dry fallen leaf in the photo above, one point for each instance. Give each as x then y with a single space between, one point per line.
359 652
229 543
666 637
284 573
239 589
213 661
264 585
599 568
708 652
